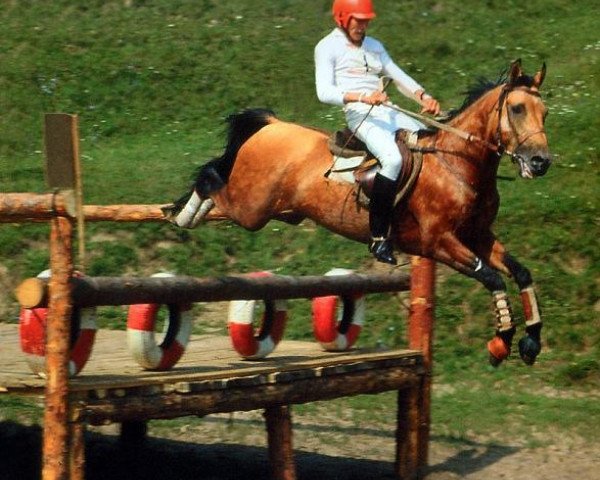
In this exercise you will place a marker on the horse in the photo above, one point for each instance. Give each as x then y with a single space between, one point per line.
273 169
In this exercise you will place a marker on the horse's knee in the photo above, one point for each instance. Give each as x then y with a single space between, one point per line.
520 273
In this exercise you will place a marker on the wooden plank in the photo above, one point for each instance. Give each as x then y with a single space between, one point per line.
62 151
63 168
249 398
207 359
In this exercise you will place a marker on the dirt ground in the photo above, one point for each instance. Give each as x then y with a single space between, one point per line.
329 443
225 447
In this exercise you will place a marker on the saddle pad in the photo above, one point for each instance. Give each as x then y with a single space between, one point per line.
343 168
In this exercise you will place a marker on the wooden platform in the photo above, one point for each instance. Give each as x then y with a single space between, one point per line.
211 377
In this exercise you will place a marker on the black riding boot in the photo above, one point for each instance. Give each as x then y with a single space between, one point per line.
380 212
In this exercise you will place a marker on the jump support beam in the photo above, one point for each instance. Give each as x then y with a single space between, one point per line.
99 291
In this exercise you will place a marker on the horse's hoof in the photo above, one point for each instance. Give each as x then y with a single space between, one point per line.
499 351
529 349
494 362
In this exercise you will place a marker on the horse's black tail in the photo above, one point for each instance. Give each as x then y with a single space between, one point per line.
214 174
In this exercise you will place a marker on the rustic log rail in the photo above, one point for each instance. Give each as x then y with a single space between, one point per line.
42 207
100 291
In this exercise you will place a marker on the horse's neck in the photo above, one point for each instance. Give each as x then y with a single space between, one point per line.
475 157
481 118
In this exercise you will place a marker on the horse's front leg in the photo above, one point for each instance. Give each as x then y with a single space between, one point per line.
500 346
530 345
460 257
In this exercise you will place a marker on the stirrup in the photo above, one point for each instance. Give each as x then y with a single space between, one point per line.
382 250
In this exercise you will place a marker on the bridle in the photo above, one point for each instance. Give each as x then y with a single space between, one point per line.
499 147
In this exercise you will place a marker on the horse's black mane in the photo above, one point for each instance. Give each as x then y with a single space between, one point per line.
481 86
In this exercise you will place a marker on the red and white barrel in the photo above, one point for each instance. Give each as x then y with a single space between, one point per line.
141 341
337 321
32 334
250 341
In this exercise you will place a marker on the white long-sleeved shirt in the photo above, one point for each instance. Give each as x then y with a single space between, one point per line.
342 67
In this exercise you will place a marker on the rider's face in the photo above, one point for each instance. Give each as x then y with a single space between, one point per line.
357 30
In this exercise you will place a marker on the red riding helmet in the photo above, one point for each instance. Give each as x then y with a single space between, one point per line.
343 10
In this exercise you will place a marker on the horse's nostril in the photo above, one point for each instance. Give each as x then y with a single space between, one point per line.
540 164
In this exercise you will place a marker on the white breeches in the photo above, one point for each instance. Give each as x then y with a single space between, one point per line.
378 131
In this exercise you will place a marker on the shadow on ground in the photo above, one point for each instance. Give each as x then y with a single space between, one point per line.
109 459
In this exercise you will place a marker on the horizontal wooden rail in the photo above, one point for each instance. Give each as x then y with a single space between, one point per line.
134 213
32 207
123 213
97 291
22 207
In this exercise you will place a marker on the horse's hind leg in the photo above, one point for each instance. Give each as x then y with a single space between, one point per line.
192 208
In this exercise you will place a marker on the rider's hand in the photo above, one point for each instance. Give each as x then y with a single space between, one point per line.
375 98
430 105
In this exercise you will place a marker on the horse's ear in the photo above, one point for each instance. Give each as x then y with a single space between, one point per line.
538 78
514 71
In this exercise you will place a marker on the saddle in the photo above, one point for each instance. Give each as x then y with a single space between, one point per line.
343 144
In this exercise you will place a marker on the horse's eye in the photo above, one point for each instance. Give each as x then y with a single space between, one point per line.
517 109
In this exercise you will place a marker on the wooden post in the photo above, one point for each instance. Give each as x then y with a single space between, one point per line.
422 307
407 434
63 174
420 333
281 451
63 168
56 440
77 451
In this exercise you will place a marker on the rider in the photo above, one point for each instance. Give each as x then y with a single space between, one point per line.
348 67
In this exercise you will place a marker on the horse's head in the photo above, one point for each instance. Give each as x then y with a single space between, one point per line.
521 127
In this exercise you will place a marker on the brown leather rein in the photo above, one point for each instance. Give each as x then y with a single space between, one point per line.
498 147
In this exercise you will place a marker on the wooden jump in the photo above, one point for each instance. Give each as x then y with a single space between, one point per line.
69 405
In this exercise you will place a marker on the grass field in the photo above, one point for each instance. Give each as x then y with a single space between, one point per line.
152 81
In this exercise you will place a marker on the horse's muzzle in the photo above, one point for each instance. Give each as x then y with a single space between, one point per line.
533 165
540 165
